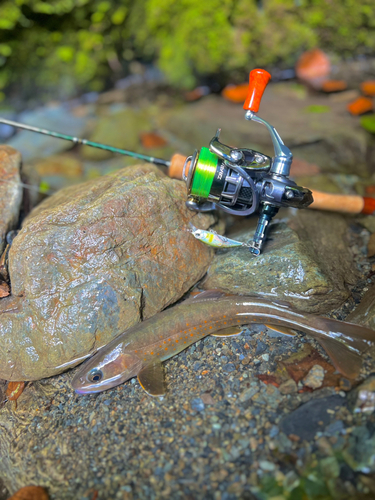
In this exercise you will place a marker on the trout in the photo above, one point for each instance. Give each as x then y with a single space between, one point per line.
141 350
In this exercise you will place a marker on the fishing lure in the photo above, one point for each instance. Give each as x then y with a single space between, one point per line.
213 239
140 351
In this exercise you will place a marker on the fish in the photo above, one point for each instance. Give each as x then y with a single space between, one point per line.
213 239
141 350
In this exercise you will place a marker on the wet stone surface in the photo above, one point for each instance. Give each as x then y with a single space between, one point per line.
90 262
235 419
10 191
304 260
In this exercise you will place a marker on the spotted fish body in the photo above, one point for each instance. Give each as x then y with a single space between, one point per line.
213 239
140 350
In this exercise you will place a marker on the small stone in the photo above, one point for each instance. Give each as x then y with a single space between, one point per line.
197 404
266 465
314 379
288 387
265 357
364 396
207 398
261 347
248 394
229 367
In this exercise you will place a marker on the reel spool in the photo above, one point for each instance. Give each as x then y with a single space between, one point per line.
242 181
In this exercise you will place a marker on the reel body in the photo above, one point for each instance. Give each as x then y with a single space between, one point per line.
242 181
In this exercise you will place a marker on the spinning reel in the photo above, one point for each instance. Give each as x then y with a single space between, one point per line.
242 181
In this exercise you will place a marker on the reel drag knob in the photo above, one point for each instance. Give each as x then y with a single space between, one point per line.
258 81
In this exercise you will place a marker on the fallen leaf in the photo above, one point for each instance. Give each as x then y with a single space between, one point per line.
151 140
368 123
368 87
197 93
268 379
236 93
4 290
313 67
14 390
30 493
334 85
360 106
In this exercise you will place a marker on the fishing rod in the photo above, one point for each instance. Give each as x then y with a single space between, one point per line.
239 181
77 140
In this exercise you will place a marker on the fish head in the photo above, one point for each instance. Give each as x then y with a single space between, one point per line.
106 369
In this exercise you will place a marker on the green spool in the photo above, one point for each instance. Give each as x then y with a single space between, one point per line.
204 173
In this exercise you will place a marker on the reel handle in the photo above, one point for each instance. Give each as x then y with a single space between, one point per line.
258 81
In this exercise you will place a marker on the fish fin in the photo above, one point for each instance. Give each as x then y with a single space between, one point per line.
232 331
347 362
281 329
151 379
356 336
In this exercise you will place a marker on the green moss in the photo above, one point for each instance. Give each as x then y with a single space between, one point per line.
88 42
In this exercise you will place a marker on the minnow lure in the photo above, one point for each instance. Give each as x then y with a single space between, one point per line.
213 239
140 351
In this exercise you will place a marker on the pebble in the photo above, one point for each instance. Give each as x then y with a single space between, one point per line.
314 379
288 387
197 404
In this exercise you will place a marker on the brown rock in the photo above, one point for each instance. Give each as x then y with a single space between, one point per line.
10 191
91 261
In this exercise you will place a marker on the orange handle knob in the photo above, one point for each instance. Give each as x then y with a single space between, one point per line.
258 81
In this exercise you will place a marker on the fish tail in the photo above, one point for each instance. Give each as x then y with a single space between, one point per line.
345 343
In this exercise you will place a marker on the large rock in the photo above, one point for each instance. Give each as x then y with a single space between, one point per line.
10 191
306 262
91 261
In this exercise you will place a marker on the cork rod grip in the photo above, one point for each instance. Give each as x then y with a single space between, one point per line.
258 81
346 203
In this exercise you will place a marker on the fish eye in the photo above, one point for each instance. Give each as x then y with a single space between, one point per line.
95 375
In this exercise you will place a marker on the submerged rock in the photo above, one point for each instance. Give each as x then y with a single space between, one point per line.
55 118
306 262
10 191
91 261
364 313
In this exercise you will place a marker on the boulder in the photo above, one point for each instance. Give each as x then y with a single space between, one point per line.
91 261
306 262
10 191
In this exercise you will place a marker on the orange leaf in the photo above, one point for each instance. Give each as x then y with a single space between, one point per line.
368 87
236 93
14 390
30 493
360 106
151 140
334 85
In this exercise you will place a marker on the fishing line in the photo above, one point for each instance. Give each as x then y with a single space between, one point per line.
77 140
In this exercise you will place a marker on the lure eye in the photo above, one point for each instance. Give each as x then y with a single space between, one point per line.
95 375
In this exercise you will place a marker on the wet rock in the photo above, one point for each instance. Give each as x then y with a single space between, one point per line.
335 143
359 453
364 313
303 262
10 191
311 417
288 387
315 377
55 118
363 396
91 261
